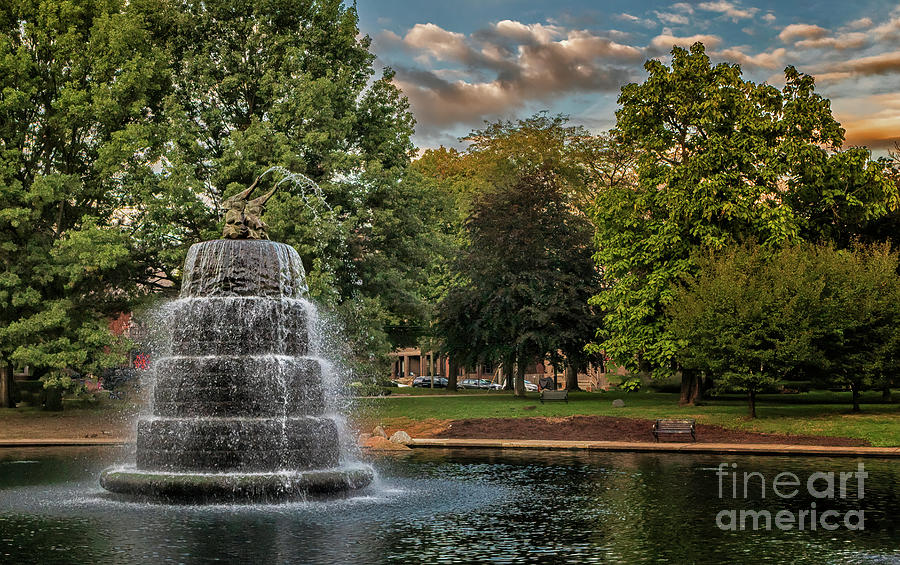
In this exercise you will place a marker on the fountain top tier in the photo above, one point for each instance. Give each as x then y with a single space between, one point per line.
234 267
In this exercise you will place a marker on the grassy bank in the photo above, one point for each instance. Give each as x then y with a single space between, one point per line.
812 413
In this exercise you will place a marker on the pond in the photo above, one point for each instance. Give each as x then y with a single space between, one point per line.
464 506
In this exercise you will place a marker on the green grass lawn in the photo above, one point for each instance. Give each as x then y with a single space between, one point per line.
812 413
427 391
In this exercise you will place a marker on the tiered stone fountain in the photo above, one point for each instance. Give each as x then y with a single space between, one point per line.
239 407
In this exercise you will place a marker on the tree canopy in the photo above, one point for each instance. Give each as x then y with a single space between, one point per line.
524 273
719 160
82 85
752 318
125 124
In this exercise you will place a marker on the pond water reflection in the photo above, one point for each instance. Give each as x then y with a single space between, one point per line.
446 506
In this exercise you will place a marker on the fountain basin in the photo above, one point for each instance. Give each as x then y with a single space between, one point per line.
234 487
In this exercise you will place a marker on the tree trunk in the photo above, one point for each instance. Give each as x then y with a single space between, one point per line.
6 385
451 377
690 387
751 397
706 384
555 378
571 377
508 383
520 378
855 389
53 399
886 394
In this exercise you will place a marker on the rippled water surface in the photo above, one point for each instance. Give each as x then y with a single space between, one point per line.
439 506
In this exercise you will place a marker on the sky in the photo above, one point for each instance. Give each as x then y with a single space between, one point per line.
464 62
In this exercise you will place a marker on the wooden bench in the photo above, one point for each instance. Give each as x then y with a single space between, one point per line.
554 395
678 428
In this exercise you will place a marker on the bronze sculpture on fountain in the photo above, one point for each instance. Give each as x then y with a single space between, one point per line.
243 218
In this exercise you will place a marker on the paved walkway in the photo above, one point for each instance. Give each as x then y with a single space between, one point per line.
61 442
664 447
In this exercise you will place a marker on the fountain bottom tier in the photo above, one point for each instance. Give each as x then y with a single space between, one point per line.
234 487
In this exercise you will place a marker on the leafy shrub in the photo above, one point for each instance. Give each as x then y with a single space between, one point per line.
56 385
631 385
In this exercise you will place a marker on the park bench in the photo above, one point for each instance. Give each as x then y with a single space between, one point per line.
554 395
674 427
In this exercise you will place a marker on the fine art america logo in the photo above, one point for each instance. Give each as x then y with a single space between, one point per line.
822 486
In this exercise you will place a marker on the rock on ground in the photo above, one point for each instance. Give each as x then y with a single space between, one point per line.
378 443
401 437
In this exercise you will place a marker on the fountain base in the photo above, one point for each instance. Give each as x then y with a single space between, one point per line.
235 487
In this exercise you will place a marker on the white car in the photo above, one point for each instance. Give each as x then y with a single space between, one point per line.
529 386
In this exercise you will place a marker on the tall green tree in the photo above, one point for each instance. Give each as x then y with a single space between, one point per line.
523 280
290 84
719 160
482 181
82 83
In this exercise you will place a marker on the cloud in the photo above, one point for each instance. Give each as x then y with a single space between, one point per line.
884 63
438 102
672 19
853 40
878 128
684 7
455 80
387 39
770 60
728 9
507 65
439 43
442 102
527 33
890 30
665 41
861 23
807 36
624 16
796 32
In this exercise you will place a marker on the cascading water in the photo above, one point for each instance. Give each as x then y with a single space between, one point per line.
239 408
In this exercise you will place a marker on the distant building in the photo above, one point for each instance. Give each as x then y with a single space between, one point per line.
411 362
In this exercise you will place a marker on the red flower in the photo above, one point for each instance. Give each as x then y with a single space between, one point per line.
142 361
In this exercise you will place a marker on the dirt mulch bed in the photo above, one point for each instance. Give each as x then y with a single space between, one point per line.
607 428
68 424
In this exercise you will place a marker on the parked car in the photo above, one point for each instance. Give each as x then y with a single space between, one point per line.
425 382
529 386
476 383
